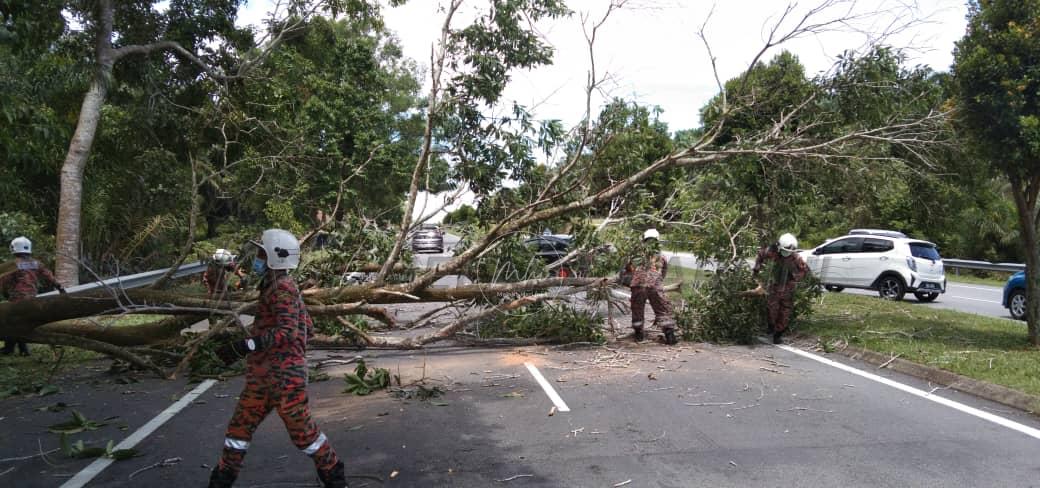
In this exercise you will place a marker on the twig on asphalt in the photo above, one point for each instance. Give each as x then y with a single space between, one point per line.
770 370
23 458
886 363
710 404
623 483
511 478
8 470
806 409
340 362
746 406
161 464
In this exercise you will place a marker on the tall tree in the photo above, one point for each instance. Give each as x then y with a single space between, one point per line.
997 73
200 34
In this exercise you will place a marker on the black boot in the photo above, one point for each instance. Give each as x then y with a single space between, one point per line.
221 478
669 337
334 478
776 338
638 334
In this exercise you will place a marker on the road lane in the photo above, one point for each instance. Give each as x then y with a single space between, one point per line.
697 415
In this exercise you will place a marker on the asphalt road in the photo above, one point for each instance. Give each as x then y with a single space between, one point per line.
640 415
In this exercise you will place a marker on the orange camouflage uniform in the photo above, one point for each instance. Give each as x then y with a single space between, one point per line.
23 284
789 270
648 269
276 379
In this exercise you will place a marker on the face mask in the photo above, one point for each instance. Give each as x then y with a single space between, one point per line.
259 265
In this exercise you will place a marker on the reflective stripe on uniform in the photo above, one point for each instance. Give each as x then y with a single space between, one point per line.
313 448
236 444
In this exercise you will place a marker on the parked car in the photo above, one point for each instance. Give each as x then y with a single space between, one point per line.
1015 295
429 238
550 248
886 261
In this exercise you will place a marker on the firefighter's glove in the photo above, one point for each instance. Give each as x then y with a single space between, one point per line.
235 350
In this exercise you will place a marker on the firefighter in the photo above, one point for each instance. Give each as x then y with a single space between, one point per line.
647 269
23 283
221 266
276 374
790 268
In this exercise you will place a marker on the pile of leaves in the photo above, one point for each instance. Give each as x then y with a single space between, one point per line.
548 321
364 381
720 309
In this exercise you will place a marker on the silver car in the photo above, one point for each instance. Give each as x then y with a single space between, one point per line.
429 238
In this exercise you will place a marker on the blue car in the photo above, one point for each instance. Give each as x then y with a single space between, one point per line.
1015 295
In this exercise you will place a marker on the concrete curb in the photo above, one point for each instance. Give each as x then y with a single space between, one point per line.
982 389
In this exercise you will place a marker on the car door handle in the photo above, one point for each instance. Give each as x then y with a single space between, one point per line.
846 258
884 258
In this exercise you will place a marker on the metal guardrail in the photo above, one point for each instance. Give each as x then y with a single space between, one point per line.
983 265
135 280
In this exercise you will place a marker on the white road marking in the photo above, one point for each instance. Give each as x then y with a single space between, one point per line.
991 289
974 299
1025 429
95 468
555 397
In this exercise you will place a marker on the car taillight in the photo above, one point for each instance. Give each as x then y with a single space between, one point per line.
911 263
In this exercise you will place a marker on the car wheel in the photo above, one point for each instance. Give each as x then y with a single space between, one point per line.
891 288
1017 304
923 296
834 288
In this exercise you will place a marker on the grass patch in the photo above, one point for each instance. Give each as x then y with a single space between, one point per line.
983 348
685 275
34 373
991 279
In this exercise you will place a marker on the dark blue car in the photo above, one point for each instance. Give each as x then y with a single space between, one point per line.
1015 295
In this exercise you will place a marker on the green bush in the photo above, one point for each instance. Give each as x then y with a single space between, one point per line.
551 322
718 310
463 215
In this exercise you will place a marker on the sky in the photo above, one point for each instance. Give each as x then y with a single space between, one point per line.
651 53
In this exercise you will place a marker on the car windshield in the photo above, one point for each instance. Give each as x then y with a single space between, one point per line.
924 250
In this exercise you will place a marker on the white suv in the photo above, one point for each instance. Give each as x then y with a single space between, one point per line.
886 261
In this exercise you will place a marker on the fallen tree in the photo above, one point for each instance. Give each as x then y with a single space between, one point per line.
461 86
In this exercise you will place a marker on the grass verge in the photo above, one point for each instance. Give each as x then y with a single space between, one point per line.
996 279
983 348
35 373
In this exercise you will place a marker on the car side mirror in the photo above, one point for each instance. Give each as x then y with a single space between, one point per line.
818 251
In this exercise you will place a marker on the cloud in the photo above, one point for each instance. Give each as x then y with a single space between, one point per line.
652 54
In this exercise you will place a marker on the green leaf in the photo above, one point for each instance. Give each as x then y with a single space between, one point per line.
48 390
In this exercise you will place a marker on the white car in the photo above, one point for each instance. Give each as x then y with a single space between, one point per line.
886 261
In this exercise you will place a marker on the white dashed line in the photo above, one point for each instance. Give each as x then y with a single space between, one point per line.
555 397
1025 429
95 468
973 299
992 290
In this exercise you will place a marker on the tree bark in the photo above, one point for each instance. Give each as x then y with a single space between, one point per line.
1025 196
67 245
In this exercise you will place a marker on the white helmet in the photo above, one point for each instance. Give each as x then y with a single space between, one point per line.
282 248
651 234
21 245
787 244
223 256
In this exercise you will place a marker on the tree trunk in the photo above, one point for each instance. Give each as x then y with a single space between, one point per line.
1025 196
67 244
